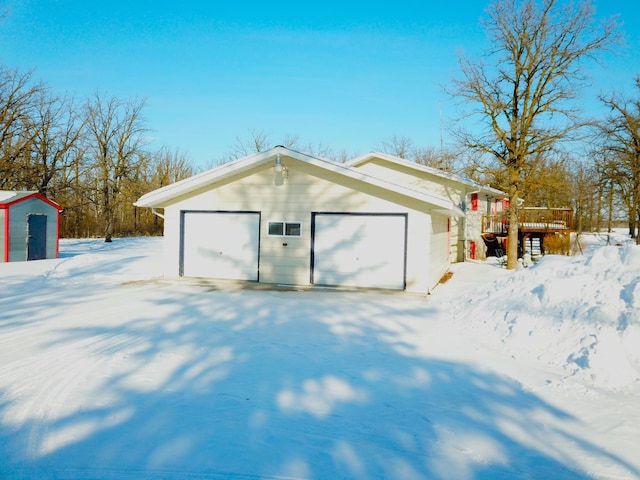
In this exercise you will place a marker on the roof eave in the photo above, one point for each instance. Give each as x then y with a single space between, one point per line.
356 162
22 196
161 197
442 204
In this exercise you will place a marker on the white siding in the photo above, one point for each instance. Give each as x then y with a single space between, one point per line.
293 199
463 230
439 259
402 175
446 188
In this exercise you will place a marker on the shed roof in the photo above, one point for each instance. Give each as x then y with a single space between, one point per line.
11 197
164 196
468 184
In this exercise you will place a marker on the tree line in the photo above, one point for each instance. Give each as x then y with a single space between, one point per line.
92 155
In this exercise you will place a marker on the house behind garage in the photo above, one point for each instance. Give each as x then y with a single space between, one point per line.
474 199
285 217
29 226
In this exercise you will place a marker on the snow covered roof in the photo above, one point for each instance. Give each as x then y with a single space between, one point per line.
9 197
163 196
467 182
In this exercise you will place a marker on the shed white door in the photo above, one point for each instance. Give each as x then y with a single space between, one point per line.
359 250
221 245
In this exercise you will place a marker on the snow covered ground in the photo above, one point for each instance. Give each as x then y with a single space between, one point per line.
108 371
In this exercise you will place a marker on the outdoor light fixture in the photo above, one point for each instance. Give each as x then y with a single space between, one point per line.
279 168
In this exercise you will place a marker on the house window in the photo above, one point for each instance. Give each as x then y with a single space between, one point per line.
285 229
474 202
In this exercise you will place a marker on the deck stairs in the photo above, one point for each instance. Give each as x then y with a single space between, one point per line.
534 247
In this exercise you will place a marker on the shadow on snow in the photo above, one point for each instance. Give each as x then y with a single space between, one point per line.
270 385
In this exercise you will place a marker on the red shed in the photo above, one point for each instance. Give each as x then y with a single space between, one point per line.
29 226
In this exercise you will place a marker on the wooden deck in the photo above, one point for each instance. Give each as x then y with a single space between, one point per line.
531 220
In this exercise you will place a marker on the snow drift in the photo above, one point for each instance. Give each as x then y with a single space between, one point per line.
579 313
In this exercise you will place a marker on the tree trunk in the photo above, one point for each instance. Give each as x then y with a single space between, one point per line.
599 207
512 236
610 214
636 223
108 231
635 213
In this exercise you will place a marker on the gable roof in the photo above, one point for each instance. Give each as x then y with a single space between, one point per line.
11 197
468 183
163 196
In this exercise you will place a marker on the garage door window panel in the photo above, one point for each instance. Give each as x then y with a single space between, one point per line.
285 229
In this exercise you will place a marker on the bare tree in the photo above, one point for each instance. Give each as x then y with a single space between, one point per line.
168 166
325 151
257 141
608 187
404 147
57 130
546 181
399 146
17 102
165 167
522 90
152 170
116 130
622 149
435 157
71 191
584 192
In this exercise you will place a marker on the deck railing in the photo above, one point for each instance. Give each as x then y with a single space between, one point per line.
531 219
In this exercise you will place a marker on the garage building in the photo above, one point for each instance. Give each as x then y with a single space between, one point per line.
285 217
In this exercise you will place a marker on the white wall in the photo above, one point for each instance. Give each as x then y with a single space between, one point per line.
307 189
449 189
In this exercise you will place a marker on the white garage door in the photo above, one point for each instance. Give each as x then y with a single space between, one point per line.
221 245
359 250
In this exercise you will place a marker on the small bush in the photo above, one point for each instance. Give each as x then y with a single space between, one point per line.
557 243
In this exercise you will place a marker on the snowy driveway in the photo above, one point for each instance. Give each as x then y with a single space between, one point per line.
105 379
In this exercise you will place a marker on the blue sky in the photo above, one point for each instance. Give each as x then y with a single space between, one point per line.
342 74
